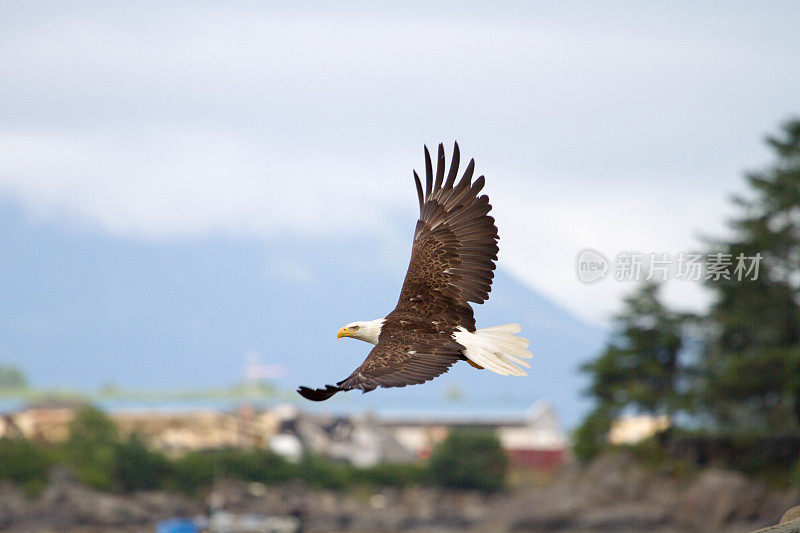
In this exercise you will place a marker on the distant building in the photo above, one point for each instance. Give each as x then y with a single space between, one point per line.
533 442
41 424
177 433
539 444
358 440
174 433
635 429
536 442
285 442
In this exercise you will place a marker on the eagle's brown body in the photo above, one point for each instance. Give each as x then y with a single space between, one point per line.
452 263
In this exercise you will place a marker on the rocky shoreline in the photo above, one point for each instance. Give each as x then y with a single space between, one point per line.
613 494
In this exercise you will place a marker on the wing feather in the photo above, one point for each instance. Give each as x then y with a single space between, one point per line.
440 164
419 190
451 176
455 246
428 173
452 262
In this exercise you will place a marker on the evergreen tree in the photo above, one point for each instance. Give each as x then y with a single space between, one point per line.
641 368
751 365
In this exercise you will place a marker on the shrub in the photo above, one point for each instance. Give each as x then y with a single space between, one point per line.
253 465
323 473
137 468
469 460
101 460
590 436
26 463
91 447
393 475
190 473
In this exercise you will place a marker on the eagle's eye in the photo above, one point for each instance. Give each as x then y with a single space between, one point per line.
354 328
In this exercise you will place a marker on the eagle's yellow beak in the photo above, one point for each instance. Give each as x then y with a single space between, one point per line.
344 332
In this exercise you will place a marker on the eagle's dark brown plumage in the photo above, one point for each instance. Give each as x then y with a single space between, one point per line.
452 263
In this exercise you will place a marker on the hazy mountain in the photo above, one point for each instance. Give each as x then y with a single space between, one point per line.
79 309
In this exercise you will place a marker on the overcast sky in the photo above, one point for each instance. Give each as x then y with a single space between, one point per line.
616 127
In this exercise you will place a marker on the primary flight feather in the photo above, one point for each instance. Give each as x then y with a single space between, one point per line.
433 326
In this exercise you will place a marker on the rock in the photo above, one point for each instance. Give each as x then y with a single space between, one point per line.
613 494
164 505
624 517
791 514
615 477
719 498
13 505
68 504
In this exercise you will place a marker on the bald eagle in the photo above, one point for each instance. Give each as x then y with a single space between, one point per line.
433 326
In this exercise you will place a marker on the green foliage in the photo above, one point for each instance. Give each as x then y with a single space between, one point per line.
137 468
92 446
752 355
320 472
767 457
743 387
794 475
26 463
469 460
190 473
641 369
101 460
641 366
590 436
392 475
323 473
197 470
253 465
12 378
91 427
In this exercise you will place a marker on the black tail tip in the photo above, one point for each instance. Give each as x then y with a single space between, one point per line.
317 395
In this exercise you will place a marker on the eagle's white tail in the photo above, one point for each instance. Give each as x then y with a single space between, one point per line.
497 349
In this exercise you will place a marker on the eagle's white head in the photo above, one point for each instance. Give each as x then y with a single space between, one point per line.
363 331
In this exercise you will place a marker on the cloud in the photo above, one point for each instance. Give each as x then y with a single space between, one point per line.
616 129
290 269
165 183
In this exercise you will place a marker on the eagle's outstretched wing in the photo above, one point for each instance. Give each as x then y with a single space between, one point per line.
395 362
452 263
455 246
